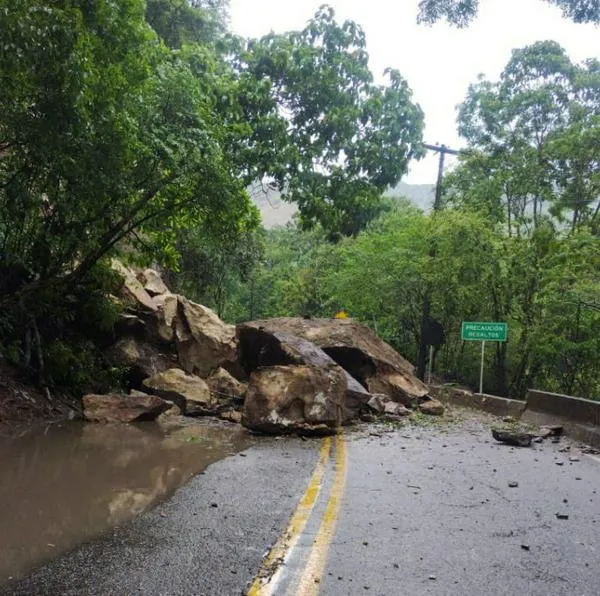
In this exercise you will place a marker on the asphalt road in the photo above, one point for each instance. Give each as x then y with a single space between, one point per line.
420 510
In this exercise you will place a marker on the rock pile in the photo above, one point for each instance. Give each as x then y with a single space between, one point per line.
276 376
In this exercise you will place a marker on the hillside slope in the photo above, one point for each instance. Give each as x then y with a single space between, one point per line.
276 212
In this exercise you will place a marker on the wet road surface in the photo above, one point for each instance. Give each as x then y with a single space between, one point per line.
419 510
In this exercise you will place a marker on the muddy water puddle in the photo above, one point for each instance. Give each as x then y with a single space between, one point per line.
67 483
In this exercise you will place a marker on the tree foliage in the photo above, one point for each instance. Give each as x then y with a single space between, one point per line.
531 141
213 265
462 12
103 132
347 139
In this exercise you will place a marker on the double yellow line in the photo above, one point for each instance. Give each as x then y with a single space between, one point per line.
311 576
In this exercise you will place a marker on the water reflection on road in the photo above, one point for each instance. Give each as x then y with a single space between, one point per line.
66 483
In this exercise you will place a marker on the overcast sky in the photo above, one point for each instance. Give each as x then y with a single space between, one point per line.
439 62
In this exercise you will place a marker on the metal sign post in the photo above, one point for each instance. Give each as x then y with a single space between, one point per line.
483 332
481 371
430 365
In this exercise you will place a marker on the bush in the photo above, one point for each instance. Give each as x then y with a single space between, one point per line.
78 366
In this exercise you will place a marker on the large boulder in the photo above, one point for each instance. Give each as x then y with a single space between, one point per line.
144 359
174 410
406 389
225 385
132 292
375 364
190 393
384 406
152 308
163 323
259 347
152 282
123 408
204 341
295 398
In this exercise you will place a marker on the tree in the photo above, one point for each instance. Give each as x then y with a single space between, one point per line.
102 133
530 141
181 22
335 140
462 12
104 138
289 280
213 264
302 113
530 167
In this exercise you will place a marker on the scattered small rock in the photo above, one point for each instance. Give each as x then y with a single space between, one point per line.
214 505
559 463
432 577
515 438
562 516
513 484
368 418
574 459
432 407
525 546
552 430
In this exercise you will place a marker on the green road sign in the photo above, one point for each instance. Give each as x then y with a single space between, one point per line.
484 331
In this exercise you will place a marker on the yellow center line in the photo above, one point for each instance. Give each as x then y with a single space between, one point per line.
311 578
260 586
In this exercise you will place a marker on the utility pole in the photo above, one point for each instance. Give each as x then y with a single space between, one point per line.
437 205
442 150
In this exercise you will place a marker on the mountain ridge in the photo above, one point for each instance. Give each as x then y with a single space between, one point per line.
276 212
